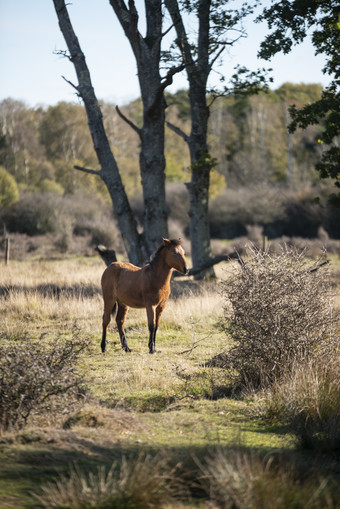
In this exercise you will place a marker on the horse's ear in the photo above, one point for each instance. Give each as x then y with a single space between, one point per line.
166 242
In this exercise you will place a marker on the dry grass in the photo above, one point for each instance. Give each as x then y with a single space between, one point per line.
308 401
43 299
240 480
173 399
146 482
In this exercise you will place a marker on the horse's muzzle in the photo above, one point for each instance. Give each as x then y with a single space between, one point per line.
185 270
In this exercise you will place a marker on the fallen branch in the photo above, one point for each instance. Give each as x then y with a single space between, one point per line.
215 260
319 266
194 345
108 255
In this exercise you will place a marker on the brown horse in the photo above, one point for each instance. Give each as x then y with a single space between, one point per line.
124 285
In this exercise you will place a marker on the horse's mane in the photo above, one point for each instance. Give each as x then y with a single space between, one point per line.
154 257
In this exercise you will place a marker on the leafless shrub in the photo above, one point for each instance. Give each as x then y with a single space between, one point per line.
308 401
240 480
148 481
37 377
279 311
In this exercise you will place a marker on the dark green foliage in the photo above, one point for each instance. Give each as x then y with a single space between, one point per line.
290 22
8 189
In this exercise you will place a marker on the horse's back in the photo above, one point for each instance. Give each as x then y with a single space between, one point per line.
123 281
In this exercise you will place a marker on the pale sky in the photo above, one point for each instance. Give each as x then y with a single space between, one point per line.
31 72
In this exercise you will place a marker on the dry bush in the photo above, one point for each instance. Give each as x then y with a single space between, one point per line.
308 401
146 482
37 377
278 312
239 480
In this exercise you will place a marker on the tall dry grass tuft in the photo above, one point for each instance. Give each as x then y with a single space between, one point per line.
240 480
146 482
278 311
308 401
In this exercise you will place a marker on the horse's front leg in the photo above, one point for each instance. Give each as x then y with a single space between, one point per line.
151 313
120 321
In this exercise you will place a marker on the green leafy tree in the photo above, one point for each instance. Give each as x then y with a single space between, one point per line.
20 150
8 189
290 21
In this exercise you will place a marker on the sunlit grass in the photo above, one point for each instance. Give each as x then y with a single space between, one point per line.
173 400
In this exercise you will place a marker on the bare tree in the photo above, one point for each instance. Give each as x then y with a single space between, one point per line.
147 52
109 172
218 27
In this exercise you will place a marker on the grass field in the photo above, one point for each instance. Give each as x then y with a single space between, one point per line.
174 403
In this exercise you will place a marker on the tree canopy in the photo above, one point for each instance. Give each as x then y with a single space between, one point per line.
290 21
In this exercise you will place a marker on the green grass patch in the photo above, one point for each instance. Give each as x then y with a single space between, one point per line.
174 402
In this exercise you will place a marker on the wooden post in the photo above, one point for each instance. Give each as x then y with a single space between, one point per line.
264 243
7 245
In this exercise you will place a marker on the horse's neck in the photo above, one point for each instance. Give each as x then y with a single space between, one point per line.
163 271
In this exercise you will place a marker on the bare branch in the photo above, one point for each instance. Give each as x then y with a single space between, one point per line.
87 170
213 60
167 80
72 84
178 131
194 345
319 266
167 30
62 53
213 261
129 122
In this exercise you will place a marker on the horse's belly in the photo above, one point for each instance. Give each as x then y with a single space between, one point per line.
131 299
132 303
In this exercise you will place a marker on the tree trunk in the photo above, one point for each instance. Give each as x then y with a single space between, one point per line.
152 160
201 164
109 172
200 178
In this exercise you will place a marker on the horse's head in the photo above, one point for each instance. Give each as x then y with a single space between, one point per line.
174 255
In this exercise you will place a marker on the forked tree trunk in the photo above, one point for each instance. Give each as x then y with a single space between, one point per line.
152 161
109 170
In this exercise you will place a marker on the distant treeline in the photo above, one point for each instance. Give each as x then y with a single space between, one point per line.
248 138
263 175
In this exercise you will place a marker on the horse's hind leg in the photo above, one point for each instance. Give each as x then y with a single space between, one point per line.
120 321
110 306
151 314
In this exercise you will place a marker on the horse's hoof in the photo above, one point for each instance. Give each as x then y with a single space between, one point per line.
152 351
127 349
